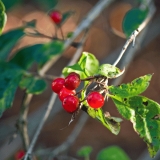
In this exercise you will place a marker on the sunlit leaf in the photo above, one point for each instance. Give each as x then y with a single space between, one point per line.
10 76
133 19
75 68
112 153
33 85
8 41
89 63
112 123
145 116
86 66
134 88
109 71
3 17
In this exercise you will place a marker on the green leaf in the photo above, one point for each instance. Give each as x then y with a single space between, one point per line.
33 85
112 153
47 4
69 34
133 19
9 81
145 116
109 71
47 51
134 88
24 57
65 16
89 63
112 123
9 4
8 41
86 66
85 151
39 53
75 68
3 17
30 24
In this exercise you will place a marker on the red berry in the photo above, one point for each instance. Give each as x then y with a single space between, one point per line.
72 81
95 100
58 84
56 16
70 103
19 155
64 92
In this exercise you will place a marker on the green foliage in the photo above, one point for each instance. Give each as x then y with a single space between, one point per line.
8 41
86 66
89 63
13 72
33 85
39 53
144 114
112 123
75 68
3 16
9 81
112 153
133 19
85 151
69 34
134 88
65 16
47 4
109 71
9 4
141 111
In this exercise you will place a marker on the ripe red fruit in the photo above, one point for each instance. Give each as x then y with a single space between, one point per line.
19 155
72 81
64 92
70 103
56 16
95 100
57 84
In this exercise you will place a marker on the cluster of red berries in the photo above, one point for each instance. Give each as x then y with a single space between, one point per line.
65 88
56 17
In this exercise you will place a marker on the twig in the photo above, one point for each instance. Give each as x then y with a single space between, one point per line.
7 125
45 76
38 34
135 34
52 101
22 121
61 32
72 137
92 15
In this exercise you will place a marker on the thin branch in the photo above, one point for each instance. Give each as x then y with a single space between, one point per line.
72 137
86 22
38 34
8 124
45 76
61 33
52 100
135 33
22 121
